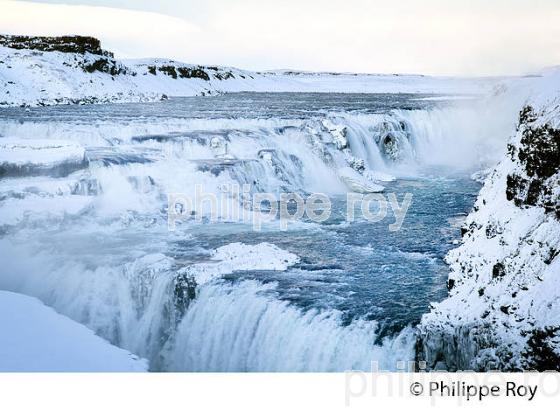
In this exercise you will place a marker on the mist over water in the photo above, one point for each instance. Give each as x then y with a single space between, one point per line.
94 243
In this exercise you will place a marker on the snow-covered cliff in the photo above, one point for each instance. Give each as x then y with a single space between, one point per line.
74 69
503 309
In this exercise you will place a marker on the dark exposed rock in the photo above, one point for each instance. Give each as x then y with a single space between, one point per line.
542 350
169 70
511 151
183 72
450 284
184 291
498 270
197 72
551 255
540 151
539 156
64 44
473 226
527 115
493 229
225 76
105 65
515 185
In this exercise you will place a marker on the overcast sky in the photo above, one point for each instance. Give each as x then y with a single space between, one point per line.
462 37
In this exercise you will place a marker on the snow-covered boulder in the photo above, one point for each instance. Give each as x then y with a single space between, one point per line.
36 338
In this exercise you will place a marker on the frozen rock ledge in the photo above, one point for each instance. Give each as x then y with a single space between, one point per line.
36 338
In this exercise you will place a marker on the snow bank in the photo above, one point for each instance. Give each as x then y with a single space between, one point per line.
240 257
503 310
36 338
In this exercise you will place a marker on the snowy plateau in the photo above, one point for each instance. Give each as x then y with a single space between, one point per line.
79 71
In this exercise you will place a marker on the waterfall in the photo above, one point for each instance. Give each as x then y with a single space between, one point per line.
94 244
226 327
237 327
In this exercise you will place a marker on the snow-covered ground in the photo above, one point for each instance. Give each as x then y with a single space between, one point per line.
34 77
503 311
36 338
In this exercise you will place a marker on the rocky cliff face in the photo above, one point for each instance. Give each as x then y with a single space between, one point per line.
503 309
64 44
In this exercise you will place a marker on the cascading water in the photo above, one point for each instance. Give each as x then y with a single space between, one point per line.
253 332
94 244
